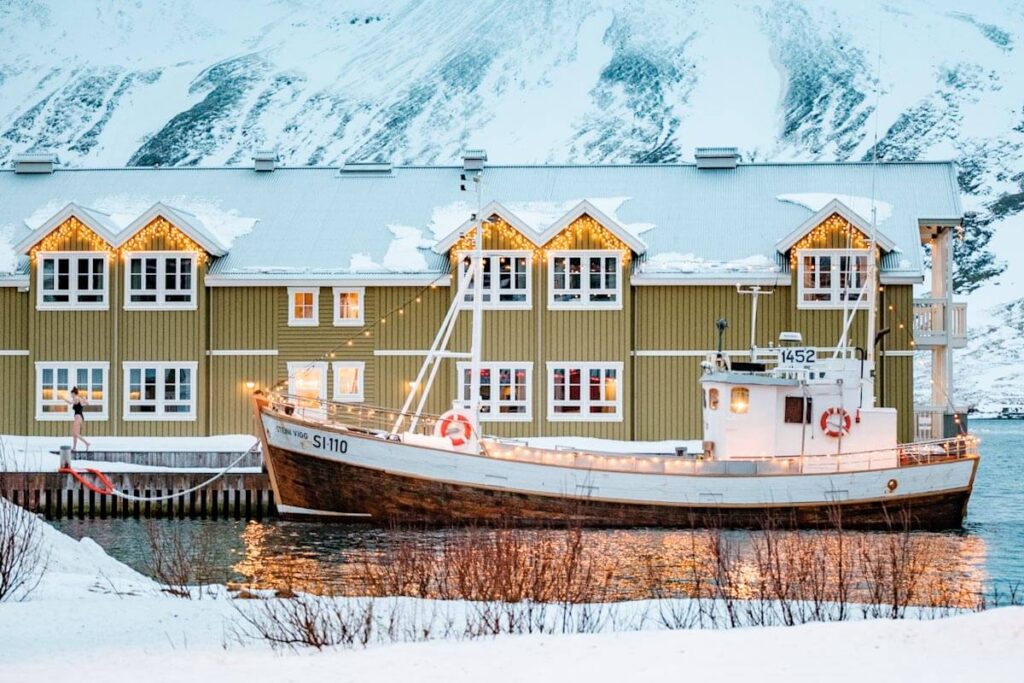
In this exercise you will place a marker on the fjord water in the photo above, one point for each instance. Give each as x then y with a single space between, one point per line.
987 553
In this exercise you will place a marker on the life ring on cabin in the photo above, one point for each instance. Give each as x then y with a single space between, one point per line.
834 429
460 421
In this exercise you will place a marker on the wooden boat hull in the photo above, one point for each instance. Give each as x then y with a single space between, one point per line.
387 482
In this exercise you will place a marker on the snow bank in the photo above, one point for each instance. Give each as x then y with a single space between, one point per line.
816 201
8 259
537 215
674 262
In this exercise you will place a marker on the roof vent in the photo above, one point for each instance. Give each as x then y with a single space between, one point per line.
473 160
265 160
45 162
716 157
357 169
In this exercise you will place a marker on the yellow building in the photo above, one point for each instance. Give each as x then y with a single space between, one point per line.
166 294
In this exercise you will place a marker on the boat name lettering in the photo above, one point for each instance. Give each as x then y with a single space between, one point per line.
288 431
330 443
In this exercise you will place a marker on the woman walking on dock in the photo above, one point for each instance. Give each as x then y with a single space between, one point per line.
78 404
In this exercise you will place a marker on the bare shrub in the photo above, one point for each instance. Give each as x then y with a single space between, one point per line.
181 558
23 558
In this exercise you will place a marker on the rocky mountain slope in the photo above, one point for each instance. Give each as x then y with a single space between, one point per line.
194 82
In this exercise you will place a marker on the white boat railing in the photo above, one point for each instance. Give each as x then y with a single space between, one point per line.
376 421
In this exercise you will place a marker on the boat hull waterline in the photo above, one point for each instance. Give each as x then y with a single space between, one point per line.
318 472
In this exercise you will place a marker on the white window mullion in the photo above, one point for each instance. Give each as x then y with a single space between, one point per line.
584 392
506 390
54 381
160 390
584 280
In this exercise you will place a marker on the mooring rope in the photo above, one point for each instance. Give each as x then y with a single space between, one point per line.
179 494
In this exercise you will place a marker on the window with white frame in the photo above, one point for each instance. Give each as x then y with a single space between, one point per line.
54 382
160 279
160 391
72 280
348 306
504 390
584 391
348 380
579 279
308 382
832 278
303 306
506 281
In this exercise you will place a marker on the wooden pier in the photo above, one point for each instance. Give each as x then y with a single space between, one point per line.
59 496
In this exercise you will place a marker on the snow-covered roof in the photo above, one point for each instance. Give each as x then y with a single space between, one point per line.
313 222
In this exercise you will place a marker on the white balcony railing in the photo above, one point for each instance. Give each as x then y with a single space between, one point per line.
930 323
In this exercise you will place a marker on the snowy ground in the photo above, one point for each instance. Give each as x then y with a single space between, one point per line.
94 619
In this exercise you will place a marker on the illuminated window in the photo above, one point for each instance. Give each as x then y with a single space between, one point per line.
504 390
506 282
348 306
160 280
54 382
713 399
348 380
303 307
308 382
832 278
160 391
739 400
584 392
72 280
584 280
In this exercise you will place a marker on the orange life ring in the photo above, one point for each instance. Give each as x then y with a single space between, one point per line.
830 429
462 423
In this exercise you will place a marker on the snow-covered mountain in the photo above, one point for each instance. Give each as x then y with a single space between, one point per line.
108 82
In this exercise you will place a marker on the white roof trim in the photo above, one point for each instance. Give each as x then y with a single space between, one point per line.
585 207
723 279
834 206
540 239
491 209
89 217
188 224
354 280
901 279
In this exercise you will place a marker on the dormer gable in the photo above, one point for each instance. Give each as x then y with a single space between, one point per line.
72 223
834 216
177 229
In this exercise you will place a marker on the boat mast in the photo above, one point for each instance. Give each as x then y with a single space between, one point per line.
478 289
872 271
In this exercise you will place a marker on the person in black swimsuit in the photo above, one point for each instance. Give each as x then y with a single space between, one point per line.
78 421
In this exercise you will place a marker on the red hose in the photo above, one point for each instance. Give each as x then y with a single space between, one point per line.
108 486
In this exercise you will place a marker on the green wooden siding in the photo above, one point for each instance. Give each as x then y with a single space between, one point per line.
657 335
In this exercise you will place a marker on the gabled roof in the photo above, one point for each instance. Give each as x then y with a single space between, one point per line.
542 238
838 207
182 220
97 221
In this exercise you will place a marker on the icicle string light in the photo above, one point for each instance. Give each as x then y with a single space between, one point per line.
819 237
70 229
159 228
583 228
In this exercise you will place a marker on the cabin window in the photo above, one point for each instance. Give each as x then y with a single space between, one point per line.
160 280
303 306
504 390
54 382
739 400
74 280
308 383
160 391
584 392
832 278
798 410
348 380
348 306
713 399
584 280
506 282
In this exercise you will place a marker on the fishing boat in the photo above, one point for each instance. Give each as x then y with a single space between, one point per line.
790 435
